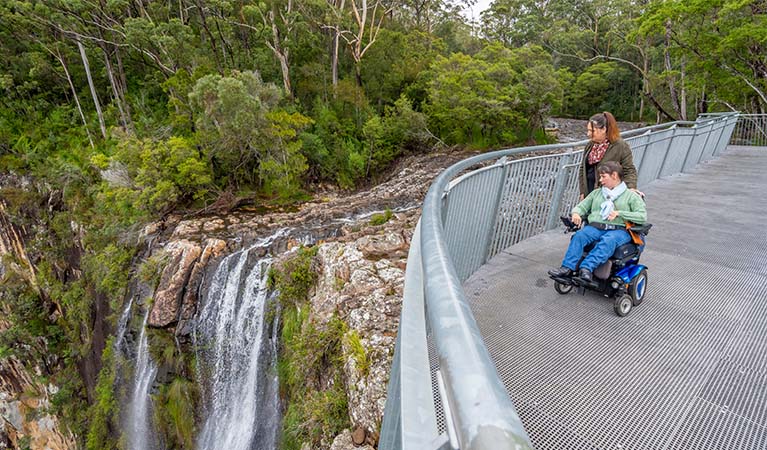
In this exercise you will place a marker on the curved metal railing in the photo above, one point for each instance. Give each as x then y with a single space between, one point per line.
444 391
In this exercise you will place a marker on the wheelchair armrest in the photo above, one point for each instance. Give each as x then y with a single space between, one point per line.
643 229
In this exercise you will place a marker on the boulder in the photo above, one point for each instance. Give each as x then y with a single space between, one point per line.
183 255
345 441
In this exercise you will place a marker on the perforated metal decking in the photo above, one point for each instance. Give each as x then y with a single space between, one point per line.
687 369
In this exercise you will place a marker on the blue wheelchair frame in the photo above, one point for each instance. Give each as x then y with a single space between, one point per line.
626 281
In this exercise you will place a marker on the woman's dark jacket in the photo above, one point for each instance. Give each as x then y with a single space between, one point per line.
618 151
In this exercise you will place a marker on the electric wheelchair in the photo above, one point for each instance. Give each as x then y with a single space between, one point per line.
621 278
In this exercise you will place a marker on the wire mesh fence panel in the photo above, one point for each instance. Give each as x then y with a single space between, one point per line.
675 156
726 135
526 200
655 152
713 142
751 129
469 220
702 136
638 146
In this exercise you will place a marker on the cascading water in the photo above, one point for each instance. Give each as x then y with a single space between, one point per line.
140 431
236 358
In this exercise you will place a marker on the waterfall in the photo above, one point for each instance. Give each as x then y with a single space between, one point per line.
235 356
140 432
122 325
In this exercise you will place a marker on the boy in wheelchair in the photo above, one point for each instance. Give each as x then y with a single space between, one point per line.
607 211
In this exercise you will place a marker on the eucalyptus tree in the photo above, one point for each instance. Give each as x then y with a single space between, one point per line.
724 44
247 136
493 97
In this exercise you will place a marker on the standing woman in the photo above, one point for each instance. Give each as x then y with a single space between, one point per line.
606 145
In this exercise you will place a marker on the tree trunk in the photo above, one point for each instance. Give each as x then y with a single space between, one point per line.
93 89
667 63
74 94
204 22
282 55
645 84
123 83
336 42
683 92
334 59
119 99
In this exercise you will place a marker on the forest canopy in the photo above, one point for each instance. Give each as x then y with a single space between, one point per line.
270 97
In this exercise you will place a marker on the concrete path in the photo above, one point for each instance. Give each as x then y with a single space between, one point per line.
687 369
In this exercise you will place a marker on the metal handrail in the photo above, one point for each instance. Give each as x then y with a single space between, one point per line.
455 236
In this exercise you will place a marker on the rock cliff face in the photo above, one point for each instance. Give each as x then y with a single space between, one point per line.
22 406
361 279
23 402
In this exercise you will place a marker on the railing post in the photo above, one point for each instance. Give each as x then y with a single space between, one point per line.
496 203
644 153
665 155
719 140
559 190
689 147
705 143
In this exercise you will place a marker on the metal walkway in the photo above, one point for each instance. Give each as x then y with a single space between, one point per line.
687 369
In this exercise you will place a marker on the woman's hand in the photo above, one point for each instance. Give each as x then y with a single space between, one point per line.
613 215
577 219
580 199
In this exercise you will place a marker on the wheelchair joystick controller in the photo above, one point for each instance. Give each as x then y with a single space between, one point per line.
570 226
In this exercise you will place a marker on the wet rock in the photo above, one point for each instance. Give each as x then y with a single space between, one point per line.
183 255
213 249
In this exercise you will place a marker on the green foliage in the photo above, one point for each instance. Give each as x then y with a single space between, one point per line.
153 176
250 140
102 414
311 358
175 406
150 270
283 165
358 352
382 218
69 402
400 130
335 141
599 88
485 99
721 43
295 278
108 269
310 362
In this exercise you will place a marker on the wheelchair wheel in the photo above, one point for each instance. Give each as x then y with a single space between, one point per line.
622 305
563 288
638 287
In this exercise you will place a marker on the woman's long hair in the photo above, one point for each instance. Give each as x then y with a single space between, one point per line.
605 119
